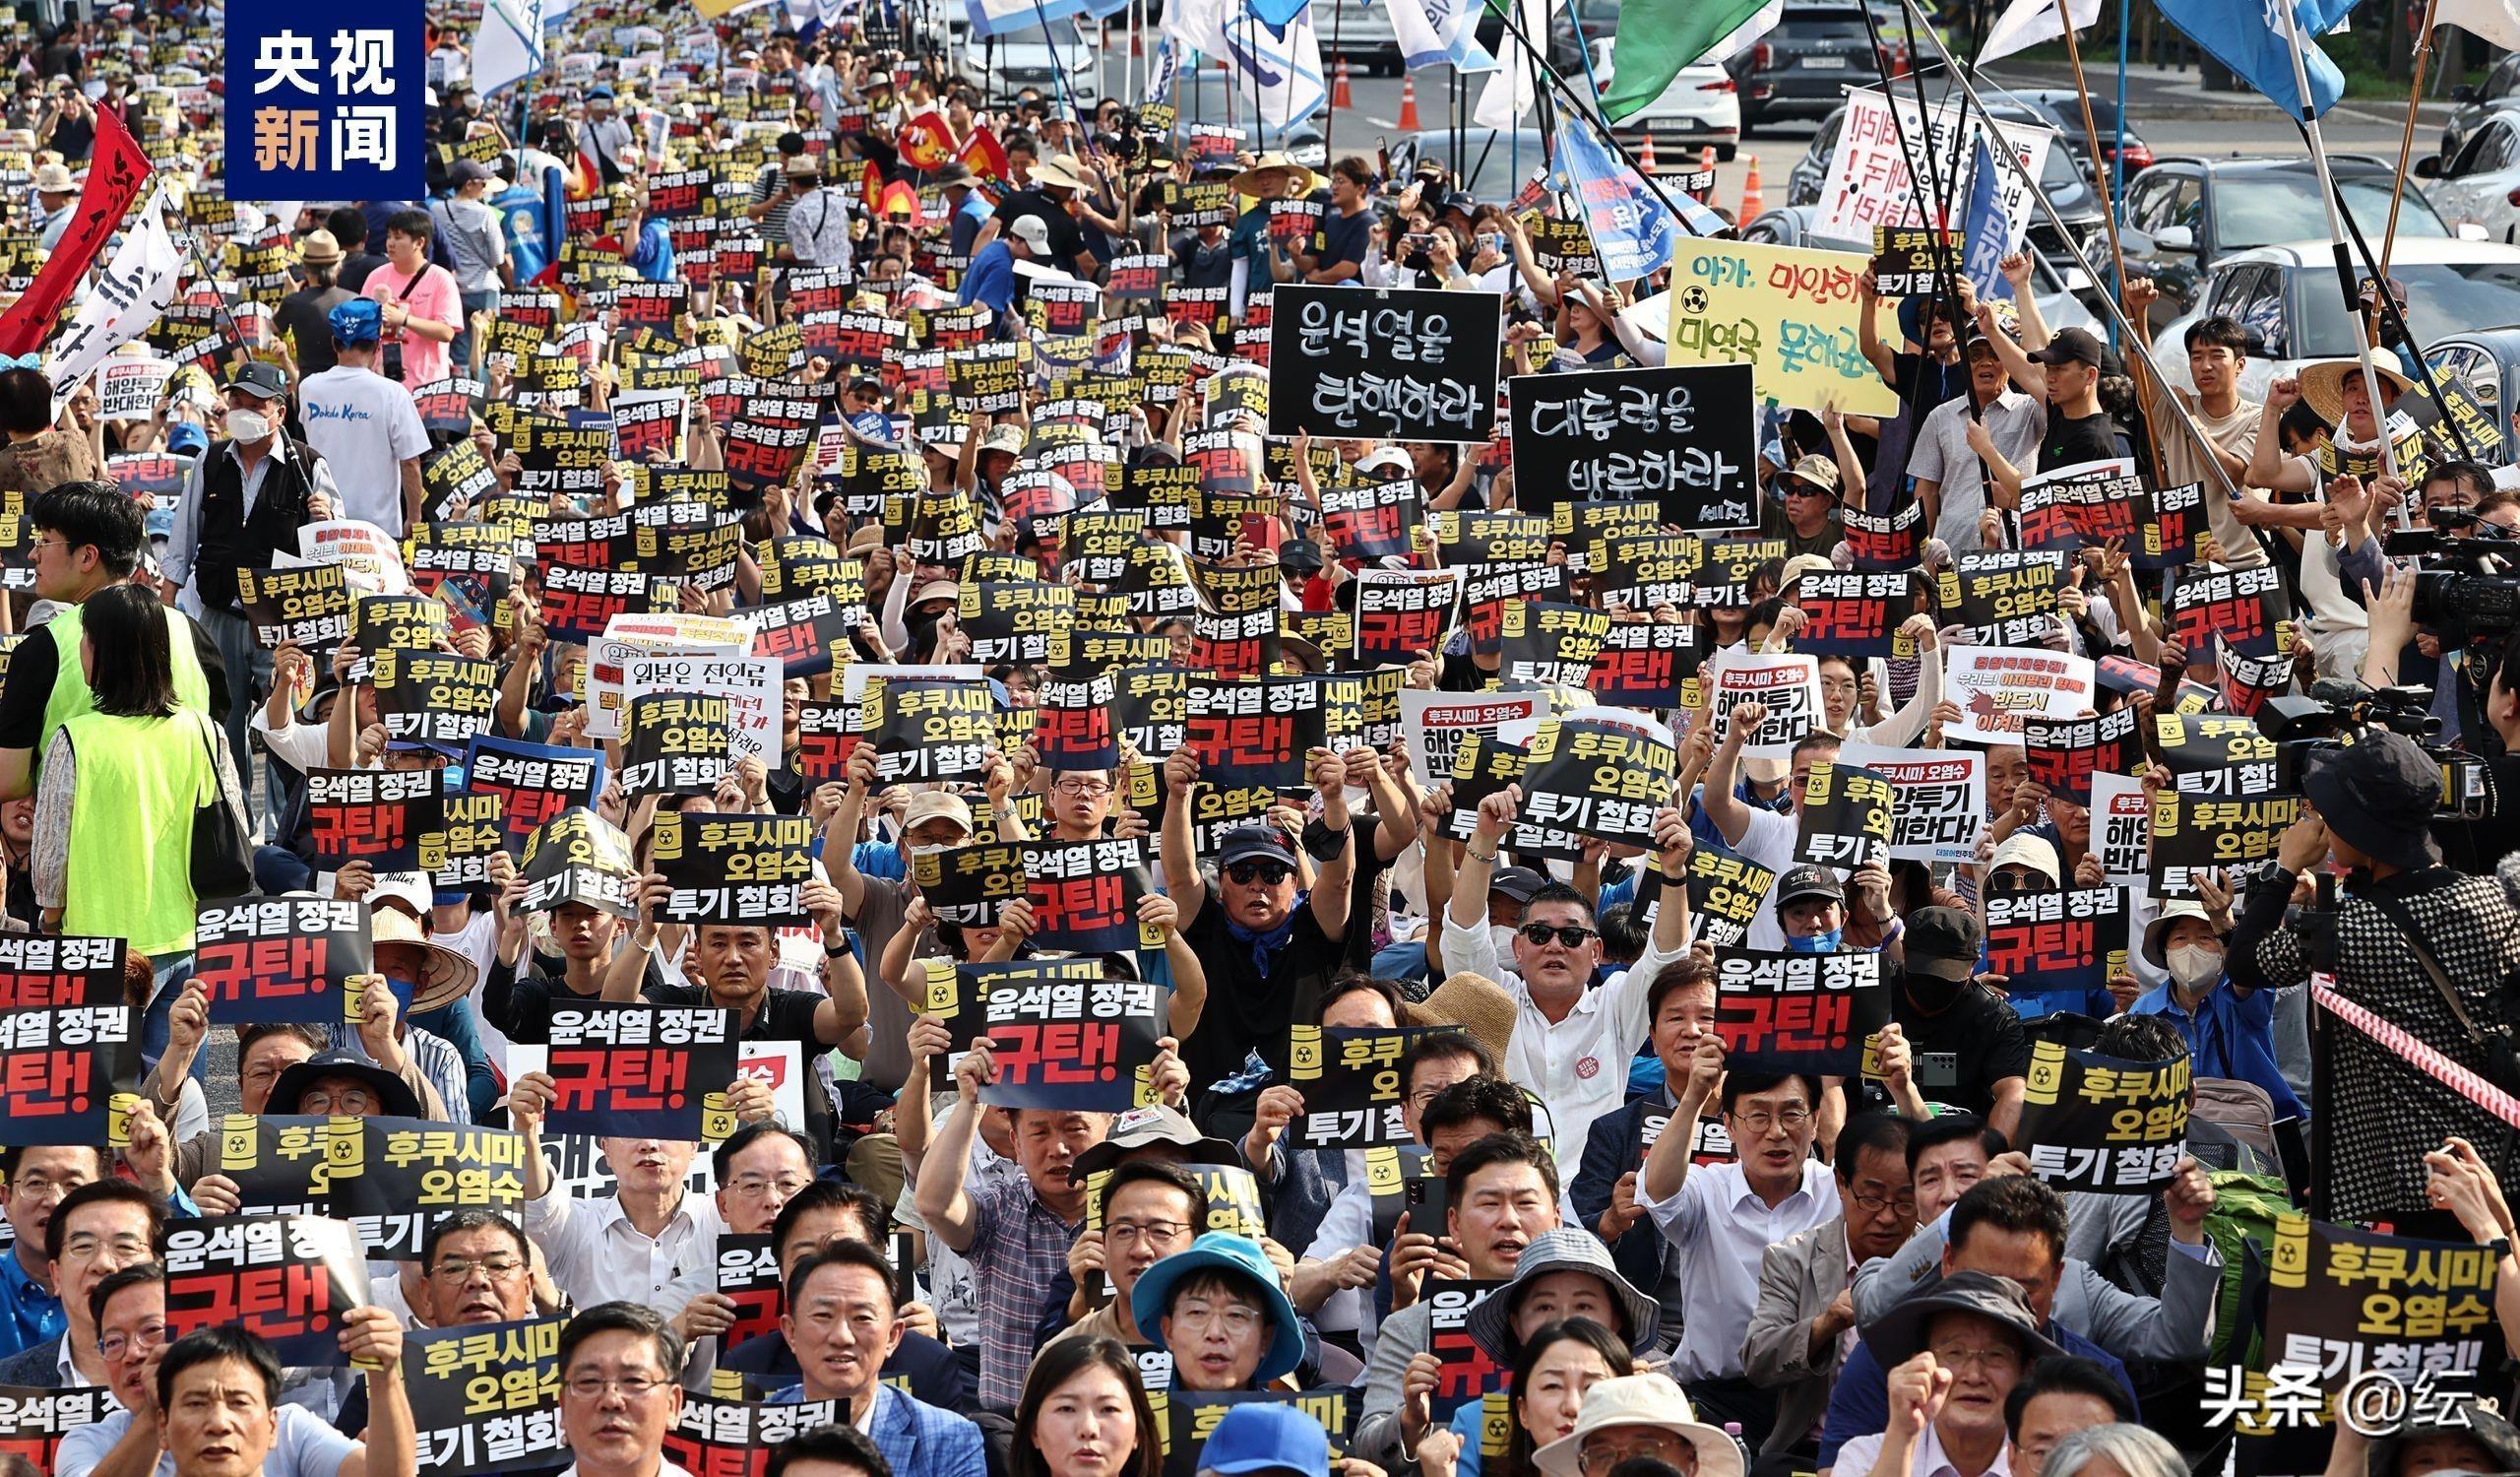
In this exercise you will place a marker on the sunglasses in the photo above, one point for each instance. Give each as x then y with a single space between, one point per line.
1572 935
1266 874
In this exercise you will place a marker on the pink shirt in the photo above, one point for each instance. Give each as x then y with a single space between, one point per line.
435 298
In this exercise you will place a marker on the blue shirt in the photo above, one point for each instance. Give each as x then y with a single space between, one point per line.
991 277
2231 1035
966 224
35 1314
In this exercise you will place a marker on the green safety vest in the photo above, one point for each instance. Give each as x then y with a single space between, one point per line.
131 830
70 695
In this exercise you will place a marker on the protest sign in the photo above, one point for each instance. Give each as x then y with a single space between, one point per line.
713 1437
1482 767
2007 598
631 1068
2122 825
1350 1079
579 856
1403 364
41 969
747 1275
69 1074
1783 1012
925 729
1252 732
1854 615
1997 687
1726 891
752 685
1474 537
281 1162
2240 607
1085 895
1728 566
1875 175
2065 753
2194 833
2218 754
1645 571
1549 645
2249 682
2084 505
307 606
485 1400
1679 438
1846 818
1186 1418
1372 519
677 744
1648 664
433 696
1789 310
1074 728
280 959
1599 772
532 782
1401 612
2099 1125
370 816
1074 1044
1011 620
1939 802
810 637
2345 1302
393 1179
966 886
1436 722
288 1279
128 389
1788 686
34 1421
747 869
2057 943
1466 1372
1883 542
578 605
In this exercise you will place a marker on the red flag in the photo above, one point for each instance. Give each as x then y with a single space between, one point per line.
926 142
116 175
986 157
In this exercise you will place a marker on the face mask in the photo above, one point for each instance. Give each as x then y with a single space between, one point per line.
1931 994
1503 939
405 992
2194 964
1814 944
248 426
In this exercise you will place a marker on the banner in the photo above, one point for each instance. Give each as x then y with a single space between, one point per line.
1784 1012
634 1070
1997 687
1403 364
1939 798
532 782
485 1400
1789 310
116 173
281 960
1681 438
1074 1046
2099 1125
2057 943
1846 818
1084 894
125 301
1601 774
1630 224
745 869
288 1279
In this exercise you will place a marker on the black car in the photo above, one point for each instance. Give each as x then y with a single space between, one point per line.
2501 87
2187 213
2062 109
1802 68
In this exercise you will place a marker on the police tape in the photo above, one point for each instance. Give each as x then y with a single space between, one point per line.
2417 1052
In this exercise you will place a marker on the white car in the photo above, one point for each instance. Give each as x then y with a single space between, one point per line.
1004 65
1701 106
2287 297
2479 186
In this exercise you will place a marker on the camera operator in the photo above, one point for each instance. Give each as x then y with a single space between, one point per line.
2408 936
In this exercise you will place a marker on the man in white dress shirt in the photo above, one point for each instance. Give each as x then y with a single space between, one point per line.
630 1245
618 1396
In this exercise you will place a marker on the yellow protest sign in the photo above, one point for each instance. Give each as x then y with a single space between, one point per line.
1787 311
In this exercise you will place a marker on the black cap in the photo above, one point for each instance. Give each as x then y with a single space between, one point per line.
1516 882
394 1096
261 379
1300 554
2378 793
1943 942
1263 843
1809 881
2073 345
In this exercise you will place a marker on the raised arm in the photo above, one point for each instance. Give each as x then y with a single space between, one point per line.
944 1201
1181 880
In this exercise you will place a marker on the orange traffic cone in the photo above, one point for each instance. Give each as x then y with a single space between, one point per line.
1338 96
1755 201
1409 104
1137 42
1645 156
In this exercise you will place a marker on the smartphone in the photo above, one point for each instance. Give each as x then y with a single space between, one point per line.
1429 1206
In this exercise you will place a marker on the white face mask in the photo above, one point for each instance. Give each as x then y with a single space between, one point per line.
248 426
1503 939
2194 964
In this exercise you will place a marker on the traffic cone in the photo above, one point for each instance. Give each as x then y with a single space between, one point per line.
1755 201
1137 42
1645 156
1338 88
1409 104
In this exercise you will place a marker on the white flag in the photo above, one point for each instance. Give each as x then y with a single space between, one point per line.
1283 69
1509 92
2495 21
508 48
122 303
2029 22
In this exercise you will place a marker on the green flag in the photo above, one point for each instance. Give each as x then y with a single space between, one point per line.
1658 37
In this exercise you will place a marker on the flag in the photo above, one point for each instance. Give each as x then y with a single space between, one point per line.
1438 33
1658 37
899 197
1984 229
2496 22
998 17
507 46
1510 89
984 156
1275 14
926 142
116 173
2029 22
1280 66
121 304
1163 70
2249 38
1631 229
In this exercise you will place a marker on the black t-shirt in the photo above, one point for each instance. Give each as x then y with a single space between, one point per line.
2068 440
1066 241
1343 238
785 1015
1202 265
36 663
1963 1051
1246 1011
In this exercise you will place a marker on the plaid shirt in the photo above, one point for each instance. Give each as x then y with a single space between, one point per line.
1019 1248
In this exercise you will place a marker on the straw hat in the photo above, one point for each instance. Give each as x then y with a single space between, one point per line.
2323 383
1267 178
319 249
1058 171
1641 1400
54 180
1474 1004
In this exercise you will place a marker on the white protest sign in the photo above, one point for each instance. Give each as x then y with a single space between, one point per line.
1436 721
2121 830
750 684
127 389
1789 686
1995 687
1869 184
367 554
1941 798
628 636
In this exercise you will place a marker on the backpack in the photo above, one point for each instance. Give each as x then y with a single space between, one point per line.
2242 1226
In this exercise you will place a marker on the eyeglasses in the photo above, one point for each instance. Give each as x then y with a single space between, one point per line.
753 1187
1983 1359
41 1186
140 1340
1572 935
1089 789
1875 1205
631 1387
457 1271
1762 1121
1130 1233
87 1244
1237 1318
1266 874
349 1102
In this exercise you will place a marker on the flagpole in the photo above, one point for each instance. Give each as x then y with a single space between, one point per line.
1593 119
2309 122
2406 136
2148 390
2207 451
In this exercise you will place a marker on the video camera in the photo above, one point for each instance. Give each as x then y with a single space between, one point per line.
2337 709
2468 592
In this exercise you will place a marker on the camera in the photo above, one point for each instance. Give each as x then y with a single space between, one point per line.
2337 709
2466 591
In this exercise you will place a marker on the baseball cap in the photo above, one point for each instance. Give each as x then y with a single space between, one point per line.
1031 231
1250 843
1259 1436
937 805
468 172
1516 882
1300 554
1943 942
2072 346
357 321
1809 881
1140 1127
260 378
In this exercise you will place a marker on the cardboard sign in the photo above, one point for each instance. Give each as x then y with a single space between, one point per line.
1075 1045
635 1069
280 959
485 1400
69 1074
679 743
748 869
2102 1125
2064 753
579 856
1350 1079
1789 310
2057 943
1601 773
307 607
40 969
2239 606
1938 799
1401 364
1999 687
1846 819
369 815
532 782
1084 894
432 697
1790 688
288 1279
1785 1013
1726 891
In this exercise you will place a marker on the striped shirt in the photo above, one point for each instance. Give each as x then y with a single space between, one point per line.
1019 1248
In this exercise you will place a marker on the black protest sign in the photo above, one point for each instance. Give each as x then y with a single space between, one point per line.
678 743
371 815
717 1438
1599 777
307 606
287 1279
433 550
34 1421
1585 527
532 782
1551 645
1648 664
1468 539
1467 1373
2005 597
485 1398
1074 1044
1854 614
748 869
1883 542
1084 894
806 566
1726 891
281 1163
69 1074
579 604
1188 1417
2085 504
2249 682
2194 833
826 733
41 969
1729 564
986 379
1782 1012
929 729
1075 728
2065 753
748 1276
555 458
280 958
1151 707
2238 606
608 543
1253 731
1011 620
1846 818
1644 571
1096 542
2455 421
455 476
2101 1125
579 856
2217 754
1350 1079
155 473
808 636
1485 592
1371 520
1682 438
2347 1302
957 994
1403 364
459 842
966 886
634 1070
1482 767
1084 652
1908 261
2056 943
433 696
2169 540
393 1179
1401 612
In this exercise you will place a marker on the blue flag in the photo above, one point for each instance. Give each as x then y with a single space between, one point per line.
1631 229
1985 230
2248 36
1276 13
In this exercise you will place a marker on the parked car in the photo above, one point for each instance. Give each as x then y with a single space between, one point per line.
1597 20
2479 186
1701 106
2062 287
1001 66
1360 30
2488 362
2473 103
2287 296
1800 69
2063 108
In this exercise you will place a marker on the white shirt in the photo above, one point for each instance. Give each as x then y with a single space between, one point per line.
306 1447
1769 842
818 227
1719 1230
365 427
596 1255
1857 1456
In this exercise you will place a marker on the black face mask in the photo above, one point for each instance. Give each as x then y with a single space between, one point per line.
1934 994
922 628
